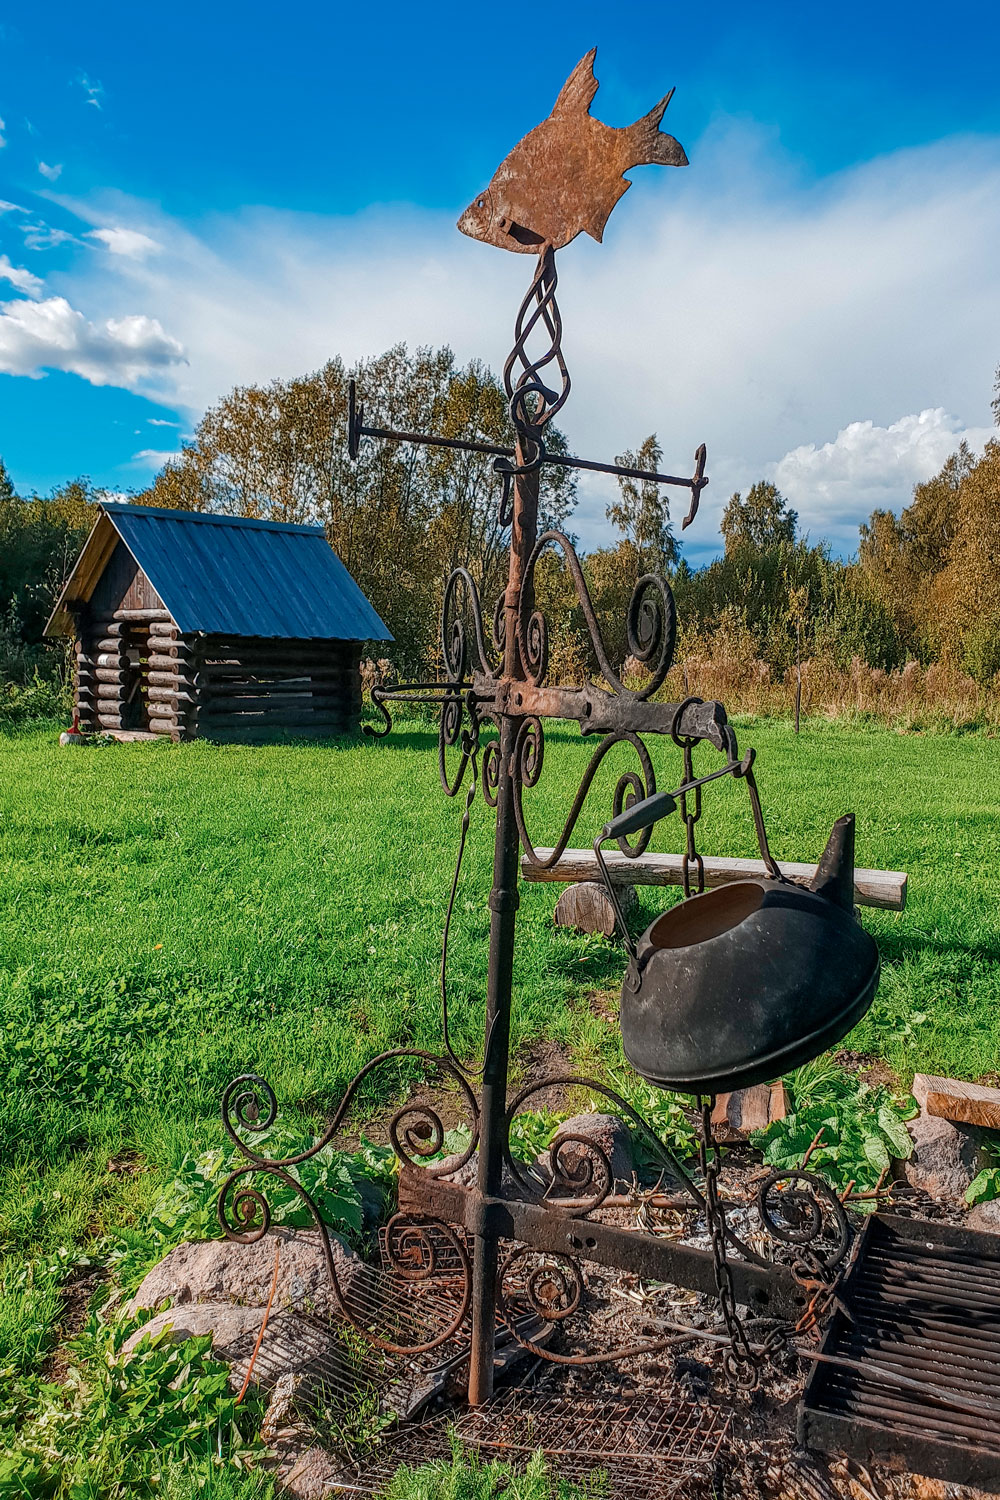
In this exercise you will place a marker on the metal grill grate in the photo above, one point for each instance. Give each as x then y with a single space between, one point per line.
643 1446
922 1390
638 1429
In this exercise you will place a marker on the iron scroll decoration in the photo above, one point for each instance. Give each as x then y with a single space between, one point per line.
496 677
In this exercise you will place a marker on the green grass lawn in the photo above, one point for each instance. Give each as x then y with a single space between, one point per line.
173 915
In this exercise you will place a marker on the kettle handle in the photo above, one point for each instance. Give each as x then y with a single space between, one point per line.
640 815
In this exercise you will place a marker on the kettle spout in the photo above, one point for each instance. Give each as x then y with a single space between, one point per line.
834 879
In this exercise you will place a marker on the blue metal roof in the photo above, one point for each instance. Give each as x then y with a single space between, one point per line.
226 575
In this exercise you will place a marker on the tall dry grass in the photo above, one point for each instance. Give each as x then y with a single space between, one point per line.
915 697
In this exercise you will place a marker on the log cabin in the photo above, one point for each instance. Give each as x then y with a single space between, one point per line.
194 625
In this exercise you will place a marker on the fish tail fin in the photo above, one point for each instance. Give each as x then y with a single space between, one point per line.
651 144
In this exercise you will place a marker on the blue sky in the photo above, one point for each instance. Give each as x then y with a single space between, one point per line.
205 195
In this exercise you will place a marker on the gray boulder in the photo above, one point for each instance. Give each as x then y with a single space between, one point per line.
985 1217
224 1271
944 1159
231 1327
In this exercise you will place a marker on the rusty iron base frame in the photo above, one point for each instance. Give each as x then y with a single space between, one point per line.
549 1223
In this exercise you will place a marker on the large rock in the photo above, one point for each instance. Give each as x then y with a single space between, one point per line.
225 1271
985 1217
944 1159
294 1347
313 1475
233 1329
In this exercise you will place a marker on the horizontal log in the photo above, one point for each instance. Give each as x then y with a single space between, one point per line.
109 674
110 690
246 646
109 721
958 1101
159 661
285 691
105 625
109 644
163 678
169 695
880 888
115 660
168 651
290 678
276 643
163 726
294 667
163 627
138 615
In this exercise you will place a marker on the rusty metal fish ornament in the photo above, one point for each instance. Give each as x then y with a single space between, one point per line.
566 175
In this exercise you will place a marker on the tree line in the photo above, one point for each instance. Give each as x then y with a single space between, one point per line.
924 586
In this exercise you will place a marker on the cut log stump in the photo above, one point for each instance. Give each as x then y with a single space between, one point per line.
586 907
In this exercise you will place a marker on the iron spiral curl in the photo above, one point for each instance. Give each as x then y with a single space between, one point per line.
529 753
241 1104
650 623
799 1209
580 1168
651 629
491 772
461 598
432 1063
546 1284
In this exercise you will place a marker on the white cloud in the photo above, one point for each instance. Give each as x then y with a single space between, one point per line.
52 173
128 242
155 458
93 91
865 466
3 138
20 278
161 422
52 335
44 236
730 304
11 208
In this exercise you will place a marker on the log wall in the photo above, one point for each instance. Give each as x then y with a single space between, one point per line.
135 671
250 688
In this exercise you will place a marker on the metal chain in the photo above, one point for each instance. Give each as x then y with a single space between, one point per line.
741 1364
744 1361
691 855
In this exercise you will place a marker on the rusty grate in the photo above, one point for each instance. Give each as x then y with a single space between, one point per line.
594 1432
644 1448
917 1386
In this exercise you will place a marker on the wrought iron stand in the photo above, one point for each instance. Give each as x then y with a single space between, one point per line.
545 1220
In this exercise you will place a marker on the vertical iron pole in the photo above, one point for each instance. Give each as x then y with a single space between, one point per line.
503 913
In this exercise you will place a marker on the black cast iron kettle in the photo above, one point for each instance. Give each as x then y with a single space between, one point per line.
741 984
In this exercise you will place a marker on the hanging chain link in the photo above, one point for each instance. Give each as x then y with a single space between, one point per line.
821 1282
740 1362
690 818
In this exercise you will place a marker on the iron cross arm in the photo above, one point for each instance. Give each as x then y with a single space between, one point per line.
601 712
356 430
595 710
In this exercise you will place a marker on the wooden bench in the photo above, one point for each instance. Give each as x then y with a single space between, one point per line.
590 911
